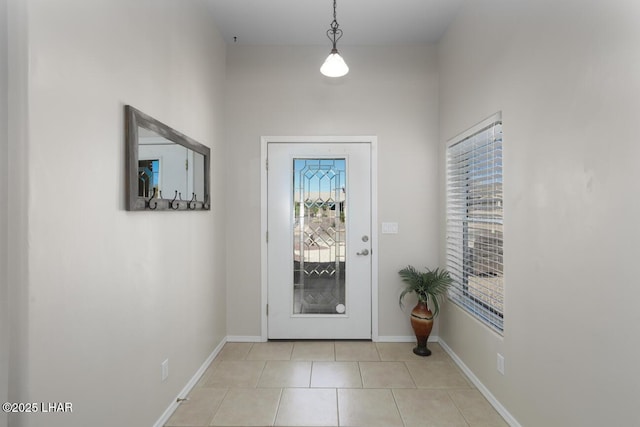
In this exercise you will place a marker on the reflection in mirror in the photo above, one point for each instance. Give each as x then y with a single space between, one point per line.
166 169
197 161
148 177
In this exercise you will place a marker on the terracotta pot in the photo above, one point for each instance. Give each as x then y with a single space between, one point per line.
422 323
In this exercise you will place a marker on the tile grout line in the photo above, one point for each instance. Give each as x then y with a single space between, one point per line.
413 380
264 366
275 417
410 374
395 401
248 352
457 407
215 412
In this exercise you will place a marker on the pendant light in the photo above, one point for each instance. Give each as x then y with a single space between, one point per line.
334 65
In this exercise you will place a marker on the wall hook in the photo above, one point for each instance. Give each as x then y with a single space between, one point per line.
152 203
192 202
175 204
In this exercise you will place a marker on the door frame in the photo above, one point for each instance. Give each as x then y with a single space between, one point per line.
373 142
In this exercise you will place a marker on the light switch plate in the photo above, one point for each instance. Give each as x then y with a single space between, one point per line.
389 228
165 370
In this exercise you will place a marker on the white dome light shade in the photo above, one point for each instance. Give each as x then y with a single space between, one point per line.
334 66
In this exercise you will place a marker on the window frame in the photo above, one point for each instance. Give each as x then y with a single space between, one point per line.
464 190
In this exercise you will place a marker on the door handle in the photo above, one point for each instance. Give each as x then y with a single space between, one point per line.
364 252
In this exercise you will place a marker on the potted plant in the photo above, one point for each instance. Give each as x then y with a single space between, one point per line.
428 286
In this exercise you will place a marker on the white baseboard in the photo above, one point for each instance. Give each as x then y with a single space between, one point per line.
244 338
481 387
187 388
403 338
383 338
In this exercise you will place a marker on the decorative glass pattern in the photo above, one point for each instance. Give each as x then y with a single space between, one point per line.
319 203
148 177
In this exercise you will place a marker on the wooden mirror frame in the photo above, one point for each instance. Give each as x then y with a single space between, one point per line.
135 119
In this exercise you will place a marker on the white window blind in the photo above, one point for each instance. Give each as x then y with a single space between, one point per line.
474 222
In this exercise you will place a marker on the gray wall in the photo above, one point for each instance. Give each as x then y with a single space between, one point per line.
17 199
390 92
102 296
565 75
4 135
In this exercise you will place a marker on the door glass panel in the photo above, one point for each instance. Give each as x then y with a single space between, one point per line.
319 244
148 177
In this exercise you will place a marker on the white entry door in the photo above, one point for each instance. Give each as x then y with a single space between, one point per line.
319 244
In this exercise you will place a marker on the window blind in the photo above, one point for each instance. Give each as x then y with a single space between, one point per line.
475 221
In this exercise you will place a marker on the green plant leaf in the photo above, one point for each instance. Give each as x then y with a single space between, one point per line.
428 286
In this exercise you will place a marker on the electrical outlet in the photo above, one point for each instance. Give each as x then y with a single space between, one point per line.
165 370
501 363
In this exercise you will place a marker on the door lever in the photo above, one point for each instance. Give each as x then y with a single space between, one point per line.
364 252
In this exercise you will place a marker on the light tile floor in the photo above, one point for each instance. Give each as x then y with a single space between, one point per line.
340 383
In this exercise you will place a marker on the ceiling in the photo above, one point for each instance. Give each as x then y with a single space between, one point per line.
305 22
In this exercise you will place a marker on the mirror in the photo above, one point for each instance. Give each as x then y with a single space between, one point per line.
165 168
